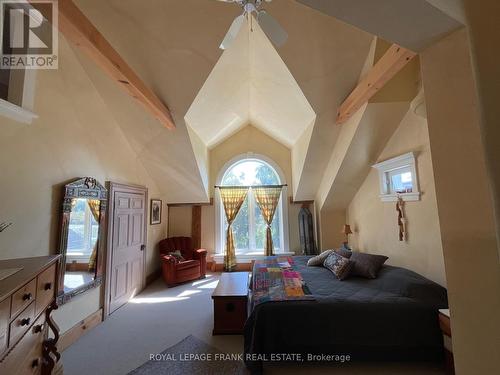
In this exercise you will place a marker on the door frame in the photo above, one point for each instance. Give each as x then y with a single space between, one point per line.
124 188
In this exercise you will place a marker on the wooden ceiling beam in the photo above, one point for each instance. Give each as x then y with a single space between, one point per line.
78 29
382 72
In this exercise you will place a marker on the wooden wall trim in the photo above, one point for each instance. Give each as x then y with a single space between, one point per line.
210 203
196 226
78 330
78 29
382 72
301 202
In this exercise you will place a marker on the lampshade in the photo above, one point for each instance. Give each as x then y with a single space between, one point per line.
346 229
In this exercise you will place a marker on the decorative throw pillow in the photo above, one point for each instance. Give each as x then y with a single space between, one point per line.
318 260
367 265
346 253
340 266
177 255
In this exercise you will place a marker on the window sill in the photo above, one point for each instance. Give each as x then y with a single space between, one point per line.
248 257
16 113
84 258
407 197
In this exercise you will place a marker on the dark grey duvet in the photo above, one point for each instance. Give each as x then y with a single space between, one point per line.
393 317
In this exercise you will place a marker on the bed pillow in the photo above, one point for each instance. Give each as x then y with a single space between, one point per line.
367 265
346 253
318 260
340 266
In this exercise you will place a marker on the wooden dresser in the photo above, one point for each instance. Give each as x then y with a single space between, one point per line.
26 299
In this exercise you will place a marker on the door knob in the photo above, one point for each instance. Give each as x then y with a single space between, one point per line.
143 247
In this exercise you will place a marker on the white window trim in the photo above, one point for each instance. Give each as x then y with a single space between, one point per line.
22 113
14 112
283 207
406 160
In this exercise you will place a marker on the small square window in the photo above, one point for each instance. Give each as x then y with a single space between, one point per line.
398 177
400 181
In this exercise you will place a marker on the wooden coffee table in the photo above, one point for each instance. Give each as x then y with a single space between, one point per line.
230 303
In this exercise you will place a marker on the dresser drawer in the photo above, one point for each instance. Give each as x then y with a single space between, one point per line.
23 297
4 324
45 288
26 359
21 324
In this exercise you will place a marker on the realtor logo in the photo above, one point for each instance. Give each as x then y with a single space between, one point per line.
29 34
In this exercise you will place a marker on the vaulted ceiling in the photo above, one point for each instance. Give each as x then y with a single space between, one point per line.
173 46
250 84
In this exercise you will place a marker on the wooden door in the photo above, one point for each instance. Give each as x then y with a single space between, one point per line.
127 247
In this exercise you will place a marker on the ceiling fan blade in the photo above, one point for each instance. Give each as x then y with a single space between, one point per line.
232 32
272 28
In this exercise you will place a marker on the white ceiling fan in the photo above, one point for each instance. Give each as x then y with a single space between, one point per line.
269 25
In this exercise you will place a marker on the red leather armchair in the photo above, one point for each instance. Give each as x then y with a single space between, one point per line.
192 267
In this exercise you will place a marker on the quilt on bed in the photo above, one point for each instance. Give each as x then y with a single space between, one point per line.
276 279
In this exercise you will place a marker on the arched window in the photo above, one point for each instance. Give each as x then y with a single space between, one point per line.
249 227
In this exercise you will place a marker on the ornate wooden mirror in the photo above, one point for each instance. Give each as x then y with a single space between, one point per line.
82 237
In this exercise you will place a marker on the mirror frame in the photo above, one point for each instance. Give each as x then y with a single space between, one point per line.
85 188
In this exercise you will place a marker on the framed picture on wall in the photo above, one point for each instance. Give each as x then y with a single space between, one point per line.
156 205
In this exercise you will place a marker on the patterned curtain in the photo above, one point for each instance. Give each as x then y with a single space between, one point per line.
232 199
95 208
267 199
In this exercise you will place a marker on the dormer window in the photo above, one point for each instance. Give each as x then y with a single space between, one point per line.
398 177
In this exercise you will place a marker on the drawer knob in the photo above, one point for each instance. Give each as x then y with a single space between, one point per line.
27 296
48 286
38 328
34 363
25 322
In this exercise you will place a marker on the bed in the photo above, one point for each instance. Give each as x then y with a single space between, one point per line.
392 317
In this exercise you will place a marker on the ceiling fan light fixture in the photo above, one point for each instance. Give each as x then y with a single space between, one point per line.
269 25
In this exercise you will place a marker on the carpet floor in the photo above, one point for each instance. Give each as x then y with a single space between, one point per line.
176 360
160 318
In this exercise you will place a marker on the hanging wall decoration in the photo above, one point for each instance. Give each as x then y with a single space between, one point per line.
306 231
400 208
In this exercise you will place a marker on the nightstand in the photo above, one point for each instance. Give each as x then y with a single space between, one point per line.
444 324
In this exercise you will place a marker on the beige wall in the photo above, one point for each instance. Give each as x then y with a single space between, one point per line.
484 32
465 204
374 222
248 140
74 136
331 223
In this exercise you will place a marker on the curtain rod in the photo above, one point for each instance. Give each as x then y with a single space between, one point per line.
249 186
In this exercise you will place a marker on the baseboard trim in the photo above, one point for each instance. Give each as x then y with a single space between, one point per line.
78 330
217 267
153 276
